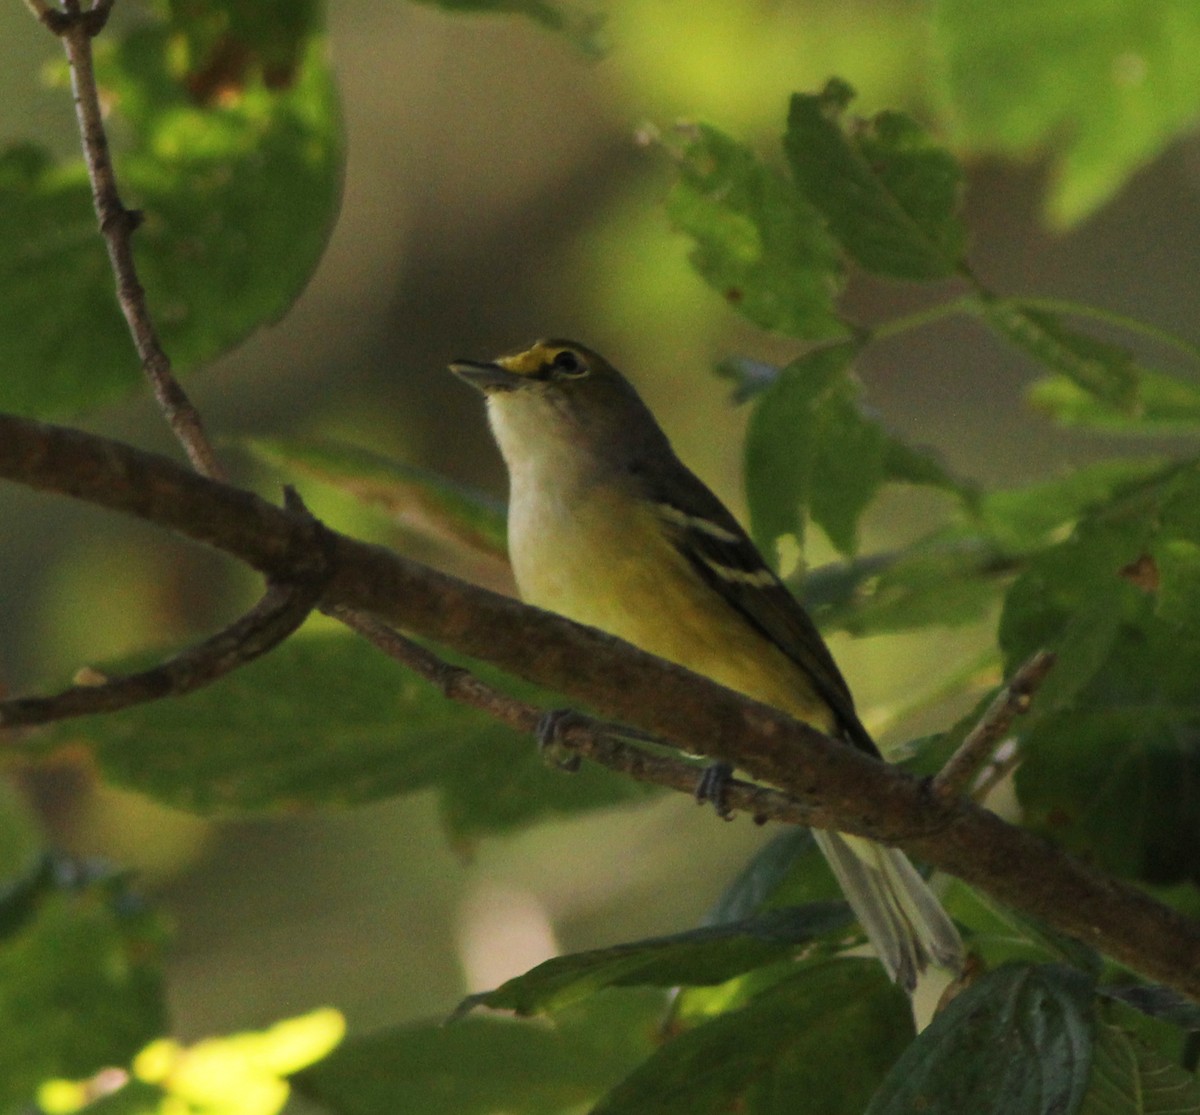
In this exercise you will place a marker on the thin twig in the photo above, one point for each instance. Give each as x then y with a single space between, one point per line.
582 736
77 28
1005 760
1013 700
282 609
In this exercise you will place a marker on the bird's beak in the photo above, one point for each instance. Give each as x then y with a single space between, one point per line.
486 376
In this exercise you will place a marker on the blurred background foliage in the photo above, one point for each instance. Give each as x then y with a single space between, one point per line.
496 187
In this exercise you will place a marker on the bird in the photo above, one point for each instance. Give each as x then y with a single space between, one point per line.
608 527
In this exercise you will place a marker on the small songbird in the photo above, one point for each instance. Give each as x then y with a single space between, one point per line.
608 527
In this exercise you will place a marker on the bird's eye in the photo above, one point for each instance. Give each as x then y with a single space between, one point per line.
568 363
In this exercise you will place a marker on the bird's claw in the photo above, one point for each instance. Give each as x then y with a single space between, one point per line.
712 788
549 734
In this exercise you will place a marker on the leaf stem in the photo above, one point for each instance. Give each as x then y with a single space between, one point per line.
908 322
1109 317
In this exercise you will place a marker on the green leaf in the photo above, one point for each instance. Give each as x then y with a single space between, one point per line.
80 981
329 720
237 193
1018 1042
758 242
788 870
578 24
950 578
1164 405
1000 935
816 1043
1101 88
1023 519
483 1065
1111 745
225 44
422 501
812 452
1102 370
1131 1078
21 850
1157 1001
890 195
701 957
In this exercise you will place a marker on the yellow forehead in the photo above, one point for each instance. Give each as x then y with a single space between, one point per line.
534 358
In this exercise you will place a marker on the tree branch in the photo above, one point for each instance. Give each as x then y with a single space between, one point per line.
77 27
860 794
1013 700
587 738
282 609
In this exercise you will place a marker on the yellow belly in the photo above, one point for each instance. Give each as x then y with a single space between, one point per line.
595 563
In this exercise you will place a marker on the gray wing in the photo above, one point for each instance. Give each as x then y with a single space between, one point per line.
728 561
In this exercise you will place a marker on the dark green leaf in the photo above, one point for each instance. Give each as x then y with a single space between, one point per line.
1018 1042
812 452
890 195
1102 370
21 855
1100 88
422 501
238 193
999 935
948 579
786 871
479 1066
1112 744
80 982
1164 405
1129 1077
1023 519
227 44
1159 1002
580 25
328 719
818 1042
698 957
758 243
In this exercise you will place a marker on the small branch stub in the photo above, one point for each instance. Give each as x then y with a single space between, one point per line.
1012 701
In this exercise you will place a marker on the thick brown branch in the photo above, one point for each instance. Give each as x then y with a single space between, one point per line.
76 28
584 737
621 683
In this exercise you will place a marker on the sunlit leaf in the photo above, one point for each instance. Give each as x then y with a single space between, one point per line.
710 955
80 980
1164 404
1100 88
758 242
237 191
421 500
